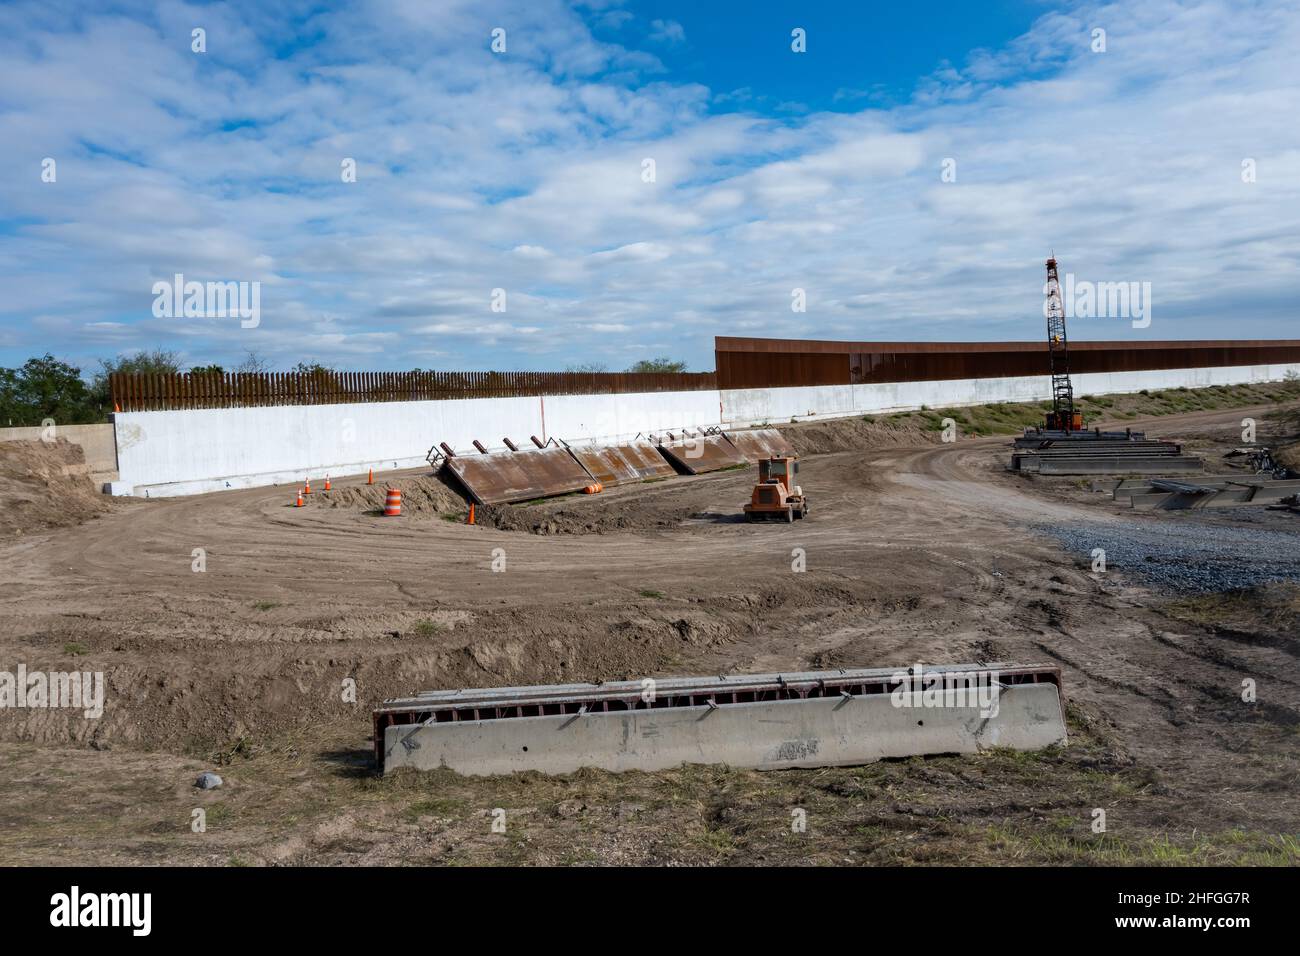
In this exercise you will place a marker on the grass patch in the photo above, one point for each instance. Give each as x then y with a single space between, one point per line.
435 807
647 593
1269 609
428 628
75 648
1009 418
1081 845
264 605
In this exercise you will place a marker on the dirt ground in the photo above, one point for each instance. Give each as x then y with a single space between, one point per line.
916 551
44 485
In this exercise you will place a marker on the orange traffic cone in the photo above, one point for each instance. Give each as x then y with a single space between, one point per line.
307 489
370 478
327 482
471 513
298 504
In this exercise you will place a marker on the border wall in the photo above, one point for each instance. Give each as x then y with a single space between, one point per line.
198 450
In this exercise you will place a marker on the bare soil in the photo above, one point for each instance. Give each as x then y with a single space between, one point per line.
45 485
916 552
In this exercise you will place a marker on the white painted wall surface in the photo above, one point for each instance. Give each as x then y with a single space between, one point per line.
96 442
189 452
776 405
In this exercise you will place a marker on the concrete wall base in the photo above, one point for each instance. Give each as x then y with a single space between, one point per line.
810 732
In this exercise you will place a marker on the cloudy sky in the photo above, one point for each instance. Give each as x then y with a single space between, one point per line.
525 170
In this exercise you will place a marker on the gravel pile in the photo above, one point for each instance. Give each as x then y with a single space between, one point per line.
1188 557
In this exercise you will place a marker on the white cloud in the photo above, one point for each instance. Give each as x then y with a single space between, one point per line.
667 31
524 172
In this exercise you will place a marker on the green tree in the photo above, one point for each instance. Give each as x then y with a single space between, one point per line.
207 370
158 362
45 388
661 364
317 378
589 367
10 413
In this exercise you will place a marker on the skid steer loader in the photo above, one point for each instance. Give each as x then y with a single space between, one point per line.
776 497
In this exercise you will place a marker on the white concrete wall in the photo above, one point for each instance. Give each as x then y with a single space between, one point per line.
188 452
759 405
96 442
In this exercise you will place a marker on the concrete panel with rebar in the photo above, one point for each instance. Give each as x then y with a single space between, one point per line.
1169 494
764 722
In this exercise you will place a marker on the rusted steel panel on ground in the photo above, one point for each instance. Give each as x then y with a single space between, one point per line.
758 443
700 455
508 476
624 464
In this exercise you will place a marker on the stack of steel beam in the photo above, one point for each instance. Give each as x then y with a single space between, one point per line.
1043 437
1104 456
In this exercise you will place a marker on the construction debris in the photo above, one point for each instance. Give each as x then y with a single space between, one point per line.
1260 460
1227 491
765 721
1290 504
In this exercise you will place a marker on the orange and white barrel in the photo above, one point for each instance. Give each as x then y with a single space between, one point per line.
393 503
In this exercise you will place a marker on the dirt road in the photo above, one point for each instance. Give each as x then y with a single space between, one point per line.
927 554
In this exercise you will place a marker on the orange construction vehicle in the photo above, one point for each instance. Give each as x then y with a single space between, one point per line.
776 497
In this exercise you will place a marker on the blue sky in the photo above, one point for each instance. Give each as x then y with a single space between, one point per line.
862 54
524 171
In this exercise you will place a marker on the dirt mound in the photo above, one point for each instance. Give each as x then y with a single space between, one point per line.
587 517
423 494
1289 455
45 485
852 434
